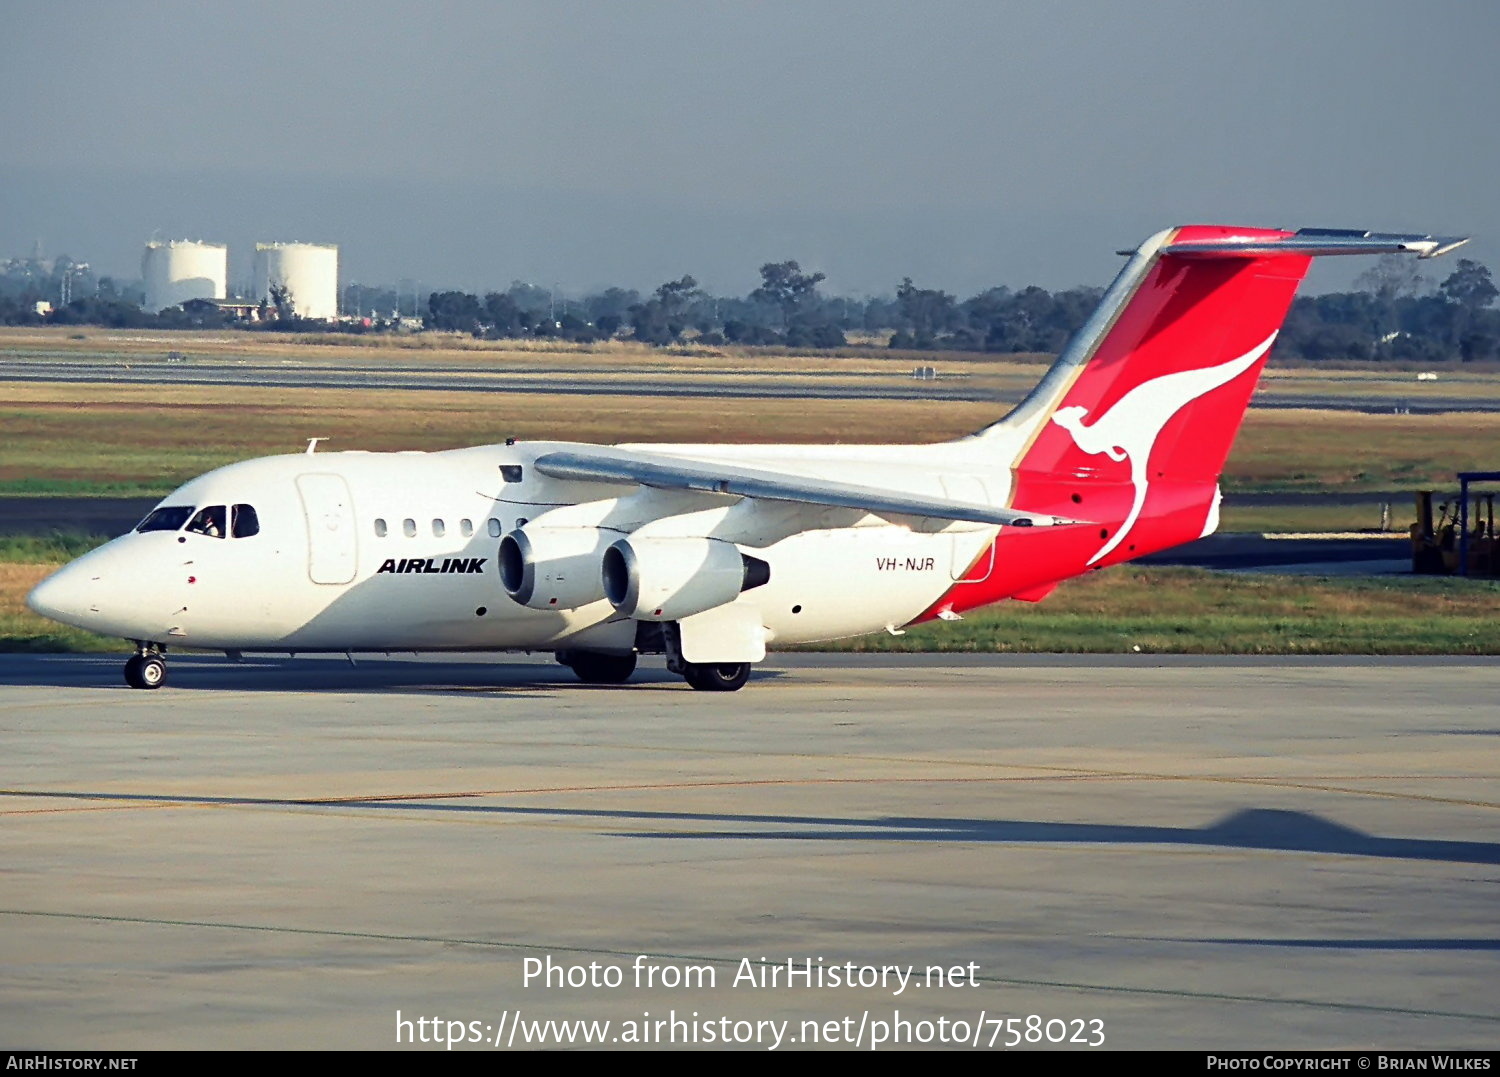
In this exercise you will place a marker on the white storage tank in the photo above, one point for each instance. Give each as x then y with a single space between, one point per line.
309 271
180 269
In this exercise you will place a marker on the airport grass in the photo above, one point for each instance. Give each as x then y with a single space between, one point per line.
1324 518
24 561
143 441
1312 451
1193 611
22 630
139 440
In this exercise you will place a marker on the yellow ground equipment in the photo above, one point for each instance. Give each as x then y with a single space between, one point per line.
1461 540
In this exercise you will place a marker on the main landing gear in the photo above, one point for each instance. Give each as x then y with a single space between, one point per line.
720 677
147 668
703 676
594 667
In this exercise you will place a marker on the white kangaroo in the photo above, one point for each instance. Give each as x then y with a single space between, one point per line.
1131 427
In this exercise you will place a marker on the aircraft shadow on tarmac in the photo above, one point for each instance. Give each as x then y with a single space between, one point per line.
1268 829
1347 944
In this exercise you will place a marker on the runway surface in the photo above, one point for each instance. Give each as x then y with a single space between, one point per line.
1228 853
564 380
748 383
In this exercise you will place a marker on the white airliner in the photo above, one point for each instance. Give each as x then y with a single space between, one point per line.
707 553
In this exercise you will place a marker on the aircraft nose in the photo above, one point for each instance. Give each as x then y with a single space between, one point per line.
63 596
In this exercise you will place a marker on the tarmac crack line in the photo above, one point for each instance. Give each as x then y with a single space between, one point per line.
1057 775
997 981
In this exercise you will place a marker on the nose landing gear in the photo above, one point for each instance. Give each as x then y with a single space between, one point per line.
147 668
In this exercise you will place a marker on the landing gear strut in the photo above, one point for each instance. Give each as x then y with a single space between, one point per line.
147 668
594 667
704 676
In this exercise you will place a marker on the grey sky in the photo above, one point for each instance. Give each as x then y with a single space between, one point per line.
965 144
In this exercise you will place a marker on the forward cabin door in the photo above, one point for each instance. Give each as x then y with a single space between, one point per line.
331 550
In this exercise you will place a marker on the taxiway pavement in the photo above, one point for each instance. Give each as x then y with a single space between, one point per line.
898 384
1198 853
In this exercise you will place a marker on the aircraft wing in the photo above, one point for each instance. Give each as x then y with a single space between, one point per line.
674 473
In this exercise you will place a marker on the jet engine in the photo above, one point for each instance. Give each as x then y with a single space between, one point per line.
553 568
666 579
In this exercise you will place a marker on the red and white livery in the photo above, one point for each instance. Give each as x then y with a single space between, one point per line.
708 553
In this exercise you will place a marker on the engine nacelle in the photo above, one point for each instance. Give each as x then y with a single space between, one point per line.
666 579
554 568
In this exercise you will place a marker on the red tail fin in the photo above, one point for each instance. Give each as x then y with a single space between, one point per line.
1181 358
1161 397
1133 424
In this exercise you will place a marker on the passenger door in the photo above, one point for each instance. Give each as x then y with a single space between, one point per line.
332 552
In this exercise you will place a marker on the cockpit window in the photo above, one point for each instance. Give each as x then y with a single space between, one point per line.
243 521
209 521
510 472
167 518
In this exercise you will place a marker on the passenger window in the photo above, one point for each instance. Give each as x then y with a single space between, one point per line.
169 518
243 521
510 472
409 528
494 528
520 522
439 529
209 521
466 528
380 528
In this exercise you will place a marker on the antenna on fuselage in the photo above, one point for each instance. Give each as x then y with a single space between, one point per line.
312 445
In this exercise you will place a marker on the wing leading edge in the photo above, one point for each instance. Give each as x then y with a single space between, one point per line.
670 473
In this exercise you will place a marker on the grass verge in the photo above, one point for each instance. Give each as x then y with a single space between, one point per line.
1194 611
23 631
24 561
1314 519
142 440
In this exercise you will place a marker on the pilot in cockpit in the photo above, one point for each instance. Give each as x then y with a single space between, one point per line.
209 522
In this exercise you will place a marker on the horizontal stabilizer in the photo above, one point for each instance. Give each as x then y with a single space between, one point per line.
1317 241
669 473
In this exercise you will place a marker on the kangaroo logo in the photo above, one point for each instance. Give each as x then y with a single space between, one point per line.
1131 427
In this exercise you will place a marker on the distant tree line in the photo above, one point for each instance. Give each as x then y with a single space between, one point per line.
787 309
1396 316
1392 313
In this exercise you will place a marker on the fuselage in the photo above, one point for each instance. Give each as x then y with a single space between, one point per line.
357 551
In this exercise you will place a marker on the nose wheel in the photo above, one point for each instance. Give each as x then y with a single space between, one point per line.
147 670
